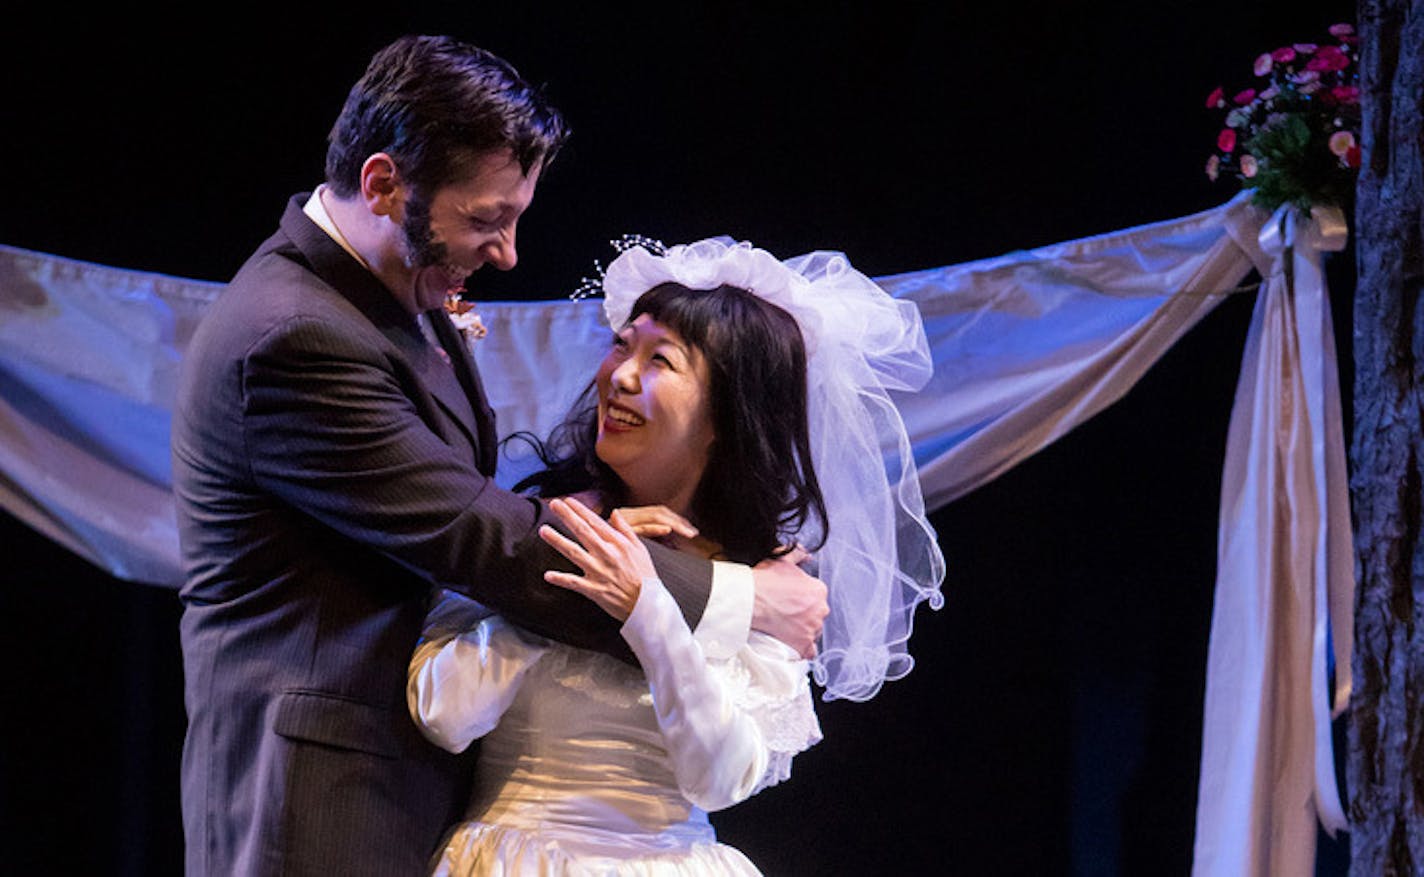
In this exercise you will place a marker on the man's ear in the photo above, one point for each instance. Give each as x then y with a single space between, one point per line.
381 186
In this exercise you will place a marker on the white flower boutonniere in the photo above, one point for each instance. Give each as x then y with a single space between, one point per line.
462 314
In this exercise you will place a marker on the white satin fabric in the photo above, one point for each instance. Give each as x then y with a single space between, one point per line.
588 766
1285 575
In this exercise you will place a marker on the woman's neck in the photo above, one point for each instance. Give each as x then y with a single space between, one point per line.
674 494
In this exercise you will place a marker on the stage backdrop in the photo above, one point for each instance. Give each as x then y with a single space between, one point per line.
1027 346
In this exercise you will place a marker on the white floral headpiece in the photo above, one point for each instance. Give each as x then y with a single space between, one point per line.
880 558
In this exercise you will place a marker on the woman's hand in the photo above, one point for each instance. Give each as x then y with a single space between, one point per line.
610 553
655 521
649 521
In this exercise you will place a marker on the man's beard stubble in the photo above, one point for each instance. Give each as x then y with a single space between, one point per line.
425 251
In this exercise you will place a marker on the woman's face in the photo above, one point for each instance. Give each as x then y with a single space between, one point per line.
654 414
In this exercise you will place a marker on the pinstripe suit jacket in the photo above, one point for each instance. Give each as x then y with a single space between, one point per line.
330 471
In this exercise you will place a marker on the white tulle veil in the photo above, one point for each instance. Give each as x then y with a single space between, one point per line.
880 558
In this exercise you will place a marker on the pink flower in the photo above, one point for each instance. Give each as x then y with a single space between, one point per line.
1263 64
1214 99
1341 30
1345 94
1341 143
1270 93
1226 140
1304 76
1213 168
1248 166
1328 60
1244 97
1283 55
1305 48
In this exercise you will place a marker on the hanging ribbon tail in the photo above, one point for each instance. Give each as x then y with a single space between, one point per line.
1296 242
1333 630
1285 557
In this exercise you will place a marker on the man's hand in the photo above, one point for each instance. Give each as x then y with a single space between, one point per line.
790 604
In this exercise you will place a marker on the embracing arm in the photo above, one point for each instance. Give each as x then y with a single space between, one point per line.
731 727
329 428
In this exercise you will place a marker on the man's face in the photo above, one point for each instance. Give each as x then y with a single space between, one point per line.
467 224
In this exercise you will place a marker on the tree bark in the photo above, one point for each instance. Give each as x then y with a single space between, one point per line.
1385 770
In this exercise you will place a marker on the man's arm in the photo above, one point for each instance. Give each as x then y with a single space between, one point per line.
329 429
776 597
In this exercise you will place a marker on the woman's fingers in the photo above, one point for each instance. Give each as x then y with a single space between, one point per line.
622 525
589 529
610 601
567 547
658 520
569 581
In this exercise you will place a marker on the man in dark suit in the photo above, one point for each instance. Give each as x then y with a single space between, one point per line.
333 452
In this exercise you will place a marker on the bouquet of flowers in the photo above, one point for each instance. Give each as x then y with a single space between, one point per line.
1295 138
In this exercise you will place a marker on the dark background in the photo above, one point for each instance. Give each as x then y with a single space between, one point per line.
1052 725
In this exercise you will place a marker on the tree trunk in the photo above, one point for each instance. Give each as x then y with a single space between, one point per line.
1386 728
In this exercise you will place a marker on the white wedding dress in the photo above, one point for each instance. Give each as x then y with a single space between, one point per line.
590 767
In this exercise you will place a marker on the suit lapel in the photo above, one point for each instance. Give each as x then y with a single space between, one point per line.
469 377
445 387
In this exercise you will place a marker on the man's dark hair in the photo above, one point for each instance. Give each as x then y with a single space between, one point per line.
436 106
759 487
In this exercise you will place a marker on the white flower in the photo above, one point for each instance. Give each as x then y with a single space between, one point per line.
470 325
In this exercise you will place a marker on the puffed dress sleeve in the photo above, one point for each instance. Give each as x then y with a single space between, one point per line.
461 681
731 725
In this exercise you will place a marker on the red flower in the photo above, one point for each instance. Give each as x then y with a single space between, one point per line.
1352 157
1328 60
1345 94
1226 140
1214 100
1245 97
1283 55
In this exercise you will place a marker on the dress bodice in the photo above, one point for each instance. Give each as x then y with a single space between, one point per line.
589 765
579 746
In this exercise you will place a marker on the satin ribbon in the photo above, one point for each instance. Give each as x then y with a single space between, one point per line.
1294 243
1285 574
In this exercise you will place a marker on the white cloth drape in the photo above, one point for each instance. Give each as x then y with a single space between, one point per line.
1026 347
1285 576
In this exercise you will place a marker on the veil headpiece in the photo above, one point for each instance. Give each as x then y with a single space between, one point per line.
880 558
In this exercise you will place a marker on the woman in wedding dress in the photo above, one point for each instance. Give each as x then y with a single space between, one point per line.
749 397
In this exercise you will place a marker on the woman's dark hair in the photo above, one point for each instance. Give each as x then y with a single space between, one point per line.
437 105
759 486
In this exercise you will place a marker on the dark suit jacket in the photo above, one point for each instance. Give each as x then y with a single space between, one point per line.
330 472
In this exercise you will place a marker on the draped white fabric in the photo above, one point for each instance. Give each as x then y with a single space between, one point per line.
1026 346
1285 576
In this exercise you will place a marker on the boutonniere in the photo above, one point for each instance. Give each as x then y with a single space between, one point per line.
462 314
